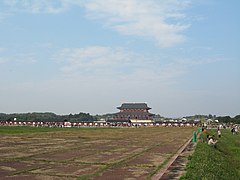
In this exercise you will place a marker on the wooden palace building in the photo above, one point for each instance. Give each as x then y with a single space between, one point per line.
133 112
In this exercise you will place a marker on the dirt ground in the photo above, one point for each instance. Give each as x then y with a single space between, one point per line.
124 153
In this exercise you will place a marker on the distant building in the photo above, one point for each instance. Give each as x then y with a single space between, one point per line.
133 112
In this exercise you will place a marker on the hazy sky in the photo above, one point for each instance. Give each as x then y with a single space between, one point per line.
181 57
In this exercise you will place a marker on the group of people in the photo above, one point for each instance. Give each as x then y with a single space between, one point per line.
211 139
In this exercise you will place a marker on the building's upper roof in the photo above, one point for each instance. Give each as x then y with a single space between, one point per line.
134 106
134 113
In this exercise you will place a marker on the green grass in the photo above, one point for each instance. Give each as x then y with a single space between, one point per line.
29 129
220 163
24 129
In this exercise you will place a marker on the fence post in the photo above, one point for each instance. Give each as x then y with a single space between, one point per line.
194 137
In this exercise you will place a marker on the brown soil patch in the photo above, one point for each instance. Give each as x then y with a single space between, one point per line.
125 153
71 170
63 156
126 173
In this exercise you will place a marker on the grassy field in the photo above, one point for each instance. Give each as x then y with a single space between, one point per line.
30 130
220 163
87 153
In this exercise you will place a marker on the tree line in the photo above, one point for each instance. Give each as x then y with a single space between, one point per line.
86 117
221 119
228 119
47 116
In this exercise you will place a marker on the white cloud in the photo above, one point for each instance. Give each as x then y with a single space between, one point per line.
2 49
23 58
38 6
116 63
96 59
4 15
160 21
4 60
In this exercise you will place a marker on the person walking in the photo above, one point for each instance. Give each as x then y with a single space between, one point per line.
219 133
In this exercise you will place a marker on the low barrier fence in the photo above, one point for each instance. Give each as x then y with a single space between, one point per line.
92 124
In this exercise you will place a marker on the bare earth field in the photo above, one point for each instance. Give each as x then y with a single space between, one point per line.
85 153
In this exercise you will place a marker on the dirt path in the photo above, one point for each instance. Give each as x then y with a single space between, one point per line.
176 167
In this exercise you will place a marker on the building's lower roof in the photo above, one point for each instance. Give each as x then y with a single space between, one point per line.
118 120
141 121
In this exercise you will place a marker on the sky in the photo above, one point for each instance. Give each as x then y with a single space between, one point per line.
181 57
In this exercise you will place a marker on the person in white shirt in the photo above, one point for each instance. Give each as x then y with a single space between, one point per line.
212 142
236 130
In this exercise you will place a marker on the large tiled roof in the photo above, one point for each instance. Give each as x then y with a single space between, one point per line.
134 106
134 113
